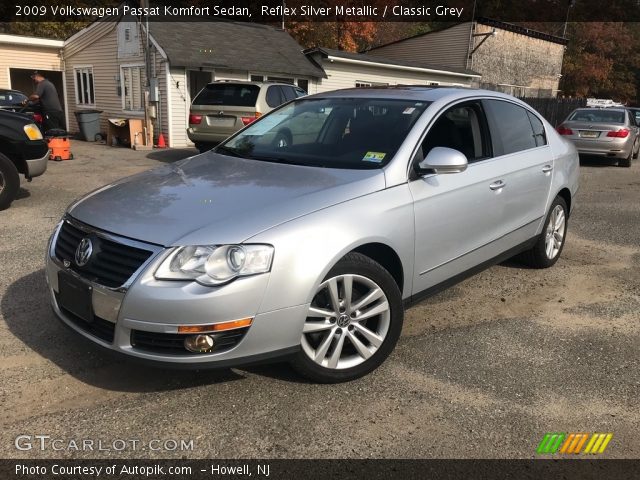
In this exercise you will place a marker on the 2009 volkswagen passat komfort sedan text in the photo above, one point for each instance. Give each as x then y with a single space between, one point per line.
305 234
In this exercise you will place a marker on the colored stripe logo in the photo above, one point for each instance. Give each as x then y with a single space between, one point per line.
573 443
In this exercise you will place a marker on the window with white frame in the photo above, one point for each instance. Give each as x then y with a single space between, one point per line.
133 80
85 92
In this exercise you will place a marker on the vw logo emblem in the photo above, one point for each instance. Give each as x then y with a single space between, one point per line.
83 252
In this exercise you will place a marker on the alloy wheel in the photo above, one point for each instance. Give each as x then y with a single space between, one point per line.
2 182
347 322
555 232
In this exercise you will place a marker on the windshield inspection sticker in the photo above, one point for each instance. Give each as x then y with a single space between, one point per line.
375 157
409 110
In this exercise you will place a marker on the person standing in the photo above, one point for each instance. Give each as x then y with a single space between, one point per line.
47 95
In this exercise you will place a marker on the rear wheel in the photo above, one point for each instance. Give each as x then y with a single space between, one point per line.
549 245
9 182
626 162
353 323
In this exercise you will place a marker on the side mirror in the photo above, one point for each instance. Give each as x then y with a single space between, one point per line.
443 160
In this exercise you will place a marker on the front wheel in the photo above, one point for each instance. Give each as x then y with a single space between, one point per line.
353 322
549 245
9 182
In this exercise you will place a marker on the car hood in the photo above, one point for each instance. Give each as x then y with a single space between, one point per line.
211 198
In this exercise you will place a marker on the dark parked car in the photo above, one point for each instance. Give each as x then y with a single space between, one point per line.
22 151
12 100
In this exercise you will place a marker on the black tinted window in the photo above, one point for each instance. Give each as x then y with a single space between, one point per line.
11 99
289 93
235 94
538 130
274 96
513 126
460 128
300 92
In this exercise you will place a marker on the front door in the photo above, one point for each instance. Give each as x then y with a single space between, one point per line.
457 216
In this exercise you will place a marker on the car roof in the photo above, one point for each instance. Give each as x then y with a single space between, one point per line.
412 92
608 109
248 82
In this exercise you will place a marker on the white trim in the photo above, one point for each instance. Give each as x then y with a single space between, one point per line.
77 87
31 41
331 58
123 89
169 84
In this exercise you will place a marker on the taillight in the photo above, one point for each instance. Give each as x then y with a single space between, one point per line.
622 133
37 118
562 130
195 119
248 120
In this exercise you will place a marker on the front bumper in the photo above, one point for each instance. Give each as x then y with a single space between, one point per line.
156 308
37 166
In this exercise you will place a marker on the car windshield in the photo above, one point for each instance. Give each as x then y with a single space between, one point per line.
235 94
597 116
355 133
11 99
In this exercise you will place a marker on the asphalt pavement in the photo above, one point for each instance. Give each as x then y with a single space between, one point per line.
482 370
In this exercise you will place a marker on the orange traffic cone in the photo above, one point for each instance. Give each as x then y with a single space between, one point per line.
161 143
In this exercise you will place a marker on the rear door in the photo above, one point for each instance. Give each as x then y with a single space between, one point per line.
223 105
521 148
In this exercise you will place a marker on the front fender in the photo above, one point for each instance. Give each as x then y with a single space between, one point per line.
308 247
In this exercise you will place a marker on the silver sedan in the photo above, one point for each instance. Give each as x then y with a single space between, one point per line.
603 132
310 250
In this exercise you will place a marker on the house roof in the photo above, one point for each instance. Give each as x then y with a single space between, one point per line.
360 57
491 23
30 41
233 45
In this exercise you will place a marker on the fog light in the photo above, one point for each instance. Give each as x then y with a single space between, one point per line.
199 343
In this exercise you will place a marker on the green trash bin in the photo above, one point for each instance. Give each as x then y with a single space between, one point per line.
89 124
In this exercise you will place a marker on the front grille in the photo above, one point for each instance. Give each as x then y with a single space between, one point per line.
99 327
111 263
173 343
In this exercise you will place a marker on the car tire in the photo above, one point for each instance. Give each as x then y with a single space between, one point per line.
9 182
626 162
637 150
344 342
550 243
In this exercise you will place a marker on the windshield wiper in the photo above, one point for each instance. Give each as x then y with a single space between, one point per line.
230 151
275 160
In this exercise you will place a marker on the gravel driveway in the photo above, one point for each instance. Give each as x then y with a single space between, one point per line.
483 369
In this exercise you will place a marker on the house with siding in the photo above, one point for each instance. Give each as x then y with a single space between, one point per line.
105 67
21 55
510 58
347 70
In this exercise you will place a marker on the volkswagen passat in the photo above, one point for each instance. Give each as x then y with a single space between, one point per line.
310 249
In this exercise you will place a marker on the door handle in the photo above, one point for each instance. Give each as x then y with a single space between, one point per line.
547 168
497 185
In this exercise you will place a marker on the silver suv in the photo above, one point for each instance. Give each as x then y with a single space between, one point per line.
222 108
310 251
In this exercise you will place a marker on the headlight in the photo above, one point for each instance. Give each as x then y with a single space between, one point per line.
215 264
32 131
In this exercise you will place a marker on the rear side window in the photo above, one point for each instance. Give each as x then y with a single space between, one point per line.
513 126
538 130
289 93
234 94
274 96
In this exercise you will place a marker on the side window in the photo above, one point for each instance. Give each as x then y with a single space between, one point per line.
274 97
539 135
463 128
300 92
289 93
512 125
